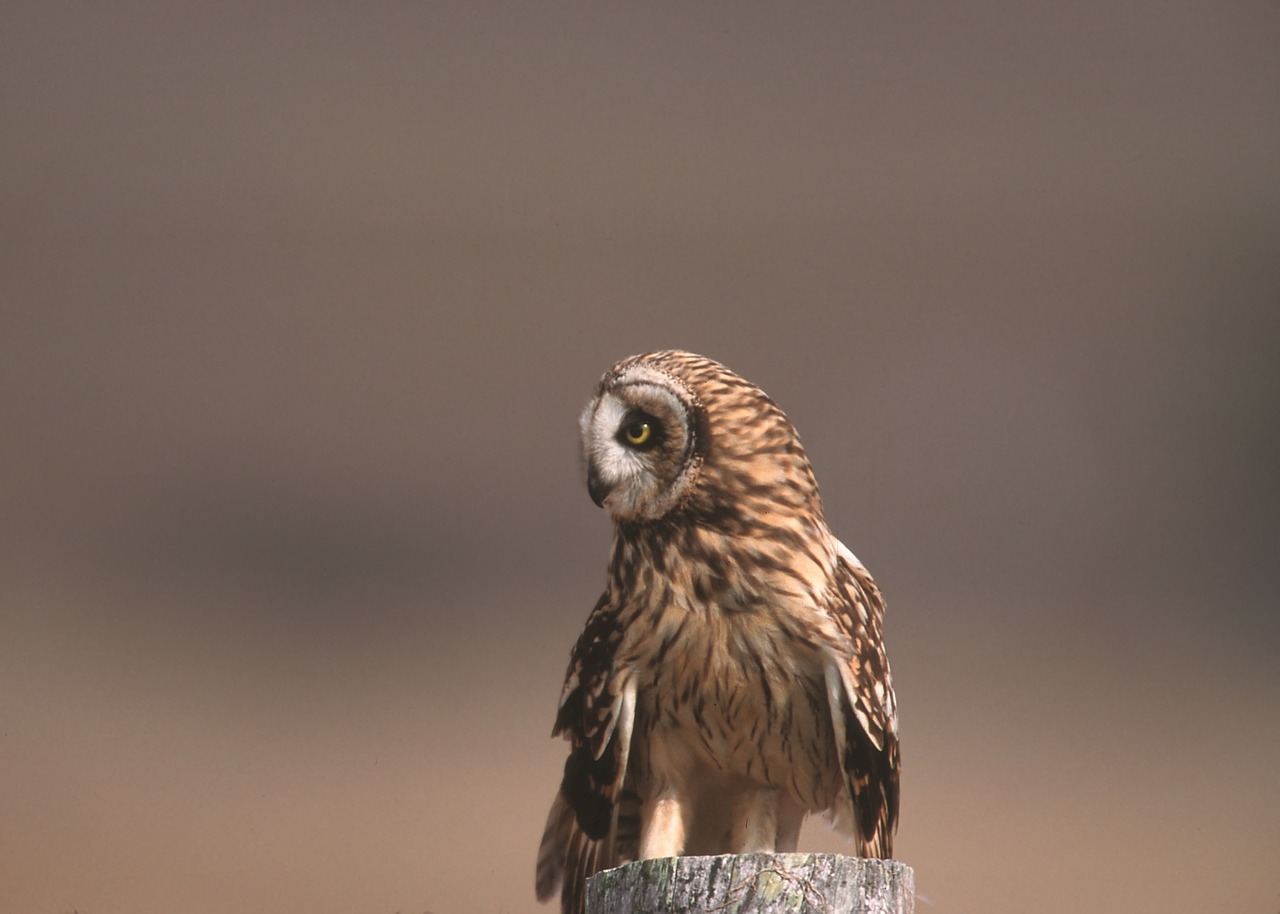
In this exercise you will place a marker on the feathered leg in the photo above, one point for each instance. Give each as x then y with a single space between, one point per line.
663 821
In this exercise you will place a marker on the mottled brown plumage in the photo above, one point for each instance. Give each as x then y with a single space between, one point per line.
732 678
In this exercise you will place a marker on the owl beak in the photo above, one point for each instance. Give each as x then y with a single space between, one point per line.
596 487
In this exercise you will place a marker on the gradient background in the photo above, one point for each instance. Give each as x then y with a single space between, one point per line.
300 302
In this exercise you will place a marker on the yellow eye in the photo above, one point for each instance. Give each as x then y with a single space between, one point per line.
637 432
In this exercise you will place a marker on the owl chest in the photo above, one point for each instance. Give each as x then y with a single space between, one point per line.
737 696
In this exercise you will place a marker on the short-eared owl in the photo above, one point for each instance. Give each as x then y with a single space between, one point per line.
732 677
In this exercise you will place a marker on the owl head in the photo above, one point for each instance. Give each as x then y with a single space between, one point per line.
673 430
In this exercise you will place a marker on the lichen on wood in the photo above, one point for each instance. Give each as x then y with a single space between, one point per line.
754 884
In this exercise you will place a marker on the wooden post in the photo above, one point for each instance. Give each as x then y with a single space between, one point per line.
754 884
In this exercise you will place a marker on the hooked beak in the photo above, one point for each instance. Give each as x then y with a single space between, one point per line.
596 487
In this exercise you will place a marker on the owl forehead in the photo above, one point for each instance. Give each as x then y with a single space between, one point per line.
644 378
640 383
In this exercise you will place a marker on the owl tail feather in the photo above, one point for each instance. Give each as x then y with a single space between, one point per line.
554 848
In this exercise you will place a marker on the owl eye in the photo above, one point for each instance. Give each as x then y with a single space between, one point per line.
639 432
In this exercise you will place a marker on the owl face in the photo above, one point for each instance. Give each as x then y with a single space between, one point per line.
640 442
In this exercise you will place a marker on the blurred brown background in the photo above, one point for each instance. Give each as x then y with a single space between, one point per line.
299 304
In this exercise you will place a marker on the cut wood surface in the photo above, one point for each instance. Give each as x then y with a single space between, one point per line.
754 884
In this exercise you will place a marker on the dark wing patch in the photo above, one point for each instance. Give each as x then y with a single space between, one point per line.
870 752
585 702
595 718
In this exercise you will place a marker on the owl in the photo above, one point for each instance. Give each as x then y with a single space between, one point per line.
732 678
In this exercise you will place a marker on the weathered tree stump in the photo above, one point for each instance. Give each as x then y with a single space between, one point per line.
754 884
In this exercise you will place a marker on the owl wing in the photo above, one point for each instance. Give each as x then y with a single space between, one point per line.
863 709
593 821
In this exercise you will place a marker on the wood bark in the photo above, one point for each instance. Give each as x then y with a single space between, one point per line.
754 884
